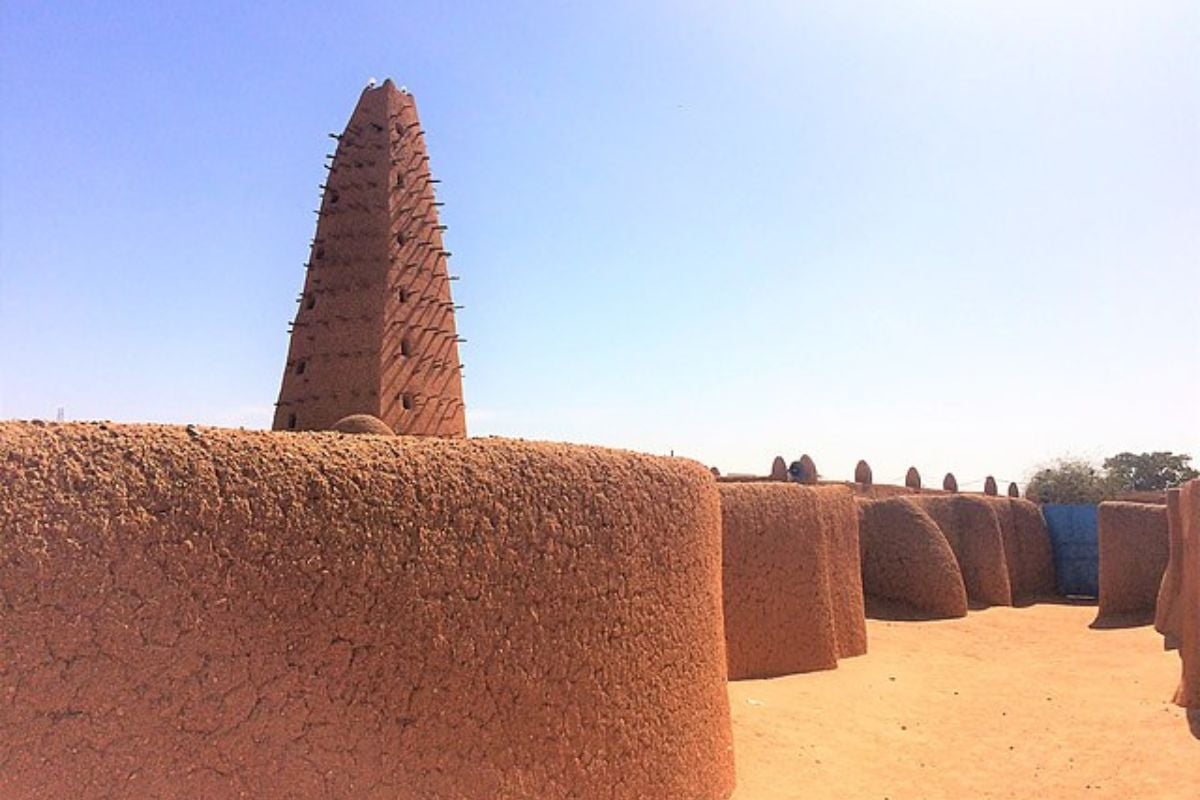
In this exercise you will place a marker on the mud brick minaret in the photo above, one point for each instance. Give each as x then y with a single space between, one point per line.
375 332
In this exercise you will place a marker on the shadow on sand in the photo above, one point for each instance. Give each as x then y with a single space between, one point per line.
1113 621
1193 718
893 611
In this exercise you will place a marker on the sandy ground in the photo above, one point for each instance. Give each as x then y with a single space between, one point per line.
1005 703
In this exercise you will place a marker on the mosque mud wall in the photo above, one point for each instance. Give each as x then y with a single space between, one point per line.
1028 555
1188 694
210 613
1008 539
792 593
1168 606
840 518
906 559
973 531
1134 550
1033 576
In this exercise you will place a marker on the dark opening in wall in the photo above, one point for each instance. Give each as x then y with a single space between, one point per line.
310 300
399 129
333 198
405 347
301 366
320 252
399 180
406 400
404 294
291 422
400 240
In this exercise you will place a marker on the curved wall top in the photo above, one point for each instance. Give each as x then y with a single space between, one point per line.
862 473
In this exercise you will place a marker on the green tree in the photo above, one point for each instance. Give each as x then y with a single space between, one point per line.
1068 481
1147 472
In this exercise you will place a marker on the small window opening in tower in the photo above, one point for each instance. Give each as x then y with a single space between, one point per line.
310 300
320 252
405 347
399 129
400 239
405 294
301 366
400 180
406 400
291 422
333 198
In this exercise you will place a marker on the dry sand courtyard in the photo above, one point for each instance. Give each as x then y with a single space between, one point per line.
1004 703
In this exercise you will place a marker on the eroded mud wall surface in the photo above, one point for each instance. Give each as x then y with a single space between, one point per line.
1168 607
973 532
1188 694
785 546
1008 538
1133 556
840 517
906 559
233 614
1035 577
1027 550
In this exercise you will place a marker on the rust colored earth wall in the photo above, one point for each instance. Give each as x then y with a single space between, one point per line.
1008 538
906 558
1188 694
784 552
879 491
1034 575
1028 555
1168 608
839 515
1133 556
219 614
973 532
374 332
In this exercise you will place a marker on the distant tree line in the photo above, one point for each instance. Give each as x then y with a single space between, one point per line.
1080 481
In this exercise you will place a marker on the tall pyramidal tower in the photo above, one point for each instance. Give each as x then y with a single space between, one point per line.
375 332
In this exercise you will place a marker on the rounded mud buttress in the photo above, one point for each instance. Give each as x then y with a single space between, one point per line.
790 604
1134 548
219 614
906 559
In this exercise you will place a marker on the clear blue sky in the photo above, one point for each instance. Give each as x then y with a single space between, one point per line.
963 236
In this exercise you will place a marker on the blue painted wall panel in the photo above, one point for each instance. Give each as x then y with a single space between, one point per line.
1076 546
